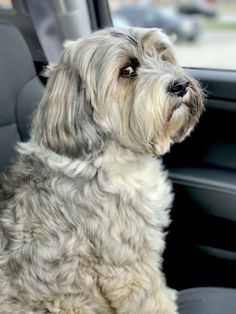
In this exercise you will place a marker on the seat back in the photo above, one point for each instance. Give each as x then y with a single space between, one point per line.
20 91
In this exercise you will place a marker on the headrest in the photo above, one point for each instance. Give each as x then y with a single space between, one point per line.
20 89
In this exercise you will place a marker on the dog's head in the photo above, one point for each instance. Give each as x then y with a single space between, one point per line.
121 85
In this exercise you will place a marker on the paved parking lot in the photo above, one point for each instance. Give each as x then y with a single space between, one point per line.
213 49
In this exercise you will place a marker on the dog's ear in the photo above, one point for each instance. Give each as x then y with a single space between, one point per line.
64 121
48 70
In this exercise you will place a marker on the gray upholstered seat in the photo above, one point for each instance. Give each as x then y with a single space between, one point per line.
20 90
207 301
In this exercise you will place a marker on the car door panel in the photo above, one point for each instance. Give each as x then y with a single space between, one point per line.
203 171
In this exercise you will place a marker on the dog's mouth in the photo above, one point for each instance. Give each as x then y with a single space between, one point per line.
175 109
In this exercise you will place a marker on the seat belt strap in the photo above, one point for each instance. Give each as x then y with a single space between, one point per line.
46 27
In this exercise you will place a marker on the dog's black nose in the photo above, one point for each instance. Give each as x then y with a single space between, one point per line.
179 86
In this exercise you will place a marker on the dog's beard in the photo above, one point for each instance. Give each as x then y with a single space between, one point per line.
149 119
187 111
159 119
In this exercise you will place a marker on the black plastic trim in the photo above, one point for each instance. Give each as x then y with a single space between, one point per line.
218 84
209 179
100 15
216 252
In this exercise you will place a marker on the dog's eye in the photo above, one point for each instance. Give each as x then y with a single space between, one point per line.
128 71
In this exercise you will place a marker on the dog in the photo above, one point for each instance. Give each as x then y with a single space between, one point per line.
85 204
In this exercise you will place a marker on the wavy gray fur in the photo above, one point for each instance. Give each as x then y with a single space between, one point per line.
84 205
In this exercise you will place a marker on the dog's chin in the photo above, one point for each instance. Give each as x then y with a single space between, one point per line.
180 123
177 120
172 133
183 117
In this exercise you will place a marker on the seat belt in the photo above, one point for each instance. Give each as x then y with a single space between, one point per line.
46 27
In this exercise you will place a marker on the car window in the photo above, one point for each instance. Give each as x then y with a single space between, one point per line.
204 31
6 4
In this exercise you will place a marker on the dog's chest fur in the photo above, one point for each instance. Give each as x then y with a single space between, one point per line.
75 229
142 193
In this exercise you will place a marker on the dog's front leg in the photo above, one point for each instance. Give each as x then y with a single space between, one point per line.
142 296
162 301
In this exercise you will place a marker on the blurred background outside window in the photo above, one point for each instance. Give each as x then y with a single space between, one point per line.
205 30
5 4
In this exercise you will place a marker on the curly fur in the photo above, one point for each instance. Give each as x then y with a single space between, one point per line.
84 206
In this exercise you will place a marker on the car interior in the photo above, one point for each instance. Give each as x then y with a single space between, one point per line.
200 257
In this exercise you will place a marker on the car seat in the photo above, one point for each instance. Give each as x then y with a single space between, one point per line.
20 91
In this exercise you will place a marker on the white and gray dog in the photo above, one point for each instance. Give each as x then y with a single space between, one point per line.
84 206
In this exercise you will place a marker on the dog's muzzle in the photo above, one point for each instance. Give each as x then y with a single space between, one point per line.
179 86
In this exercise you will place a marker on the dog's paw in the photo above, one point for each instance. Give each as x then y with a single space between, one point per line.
168 302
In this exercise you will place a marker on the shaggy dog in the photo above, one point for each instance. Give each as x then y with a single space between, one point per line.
84 205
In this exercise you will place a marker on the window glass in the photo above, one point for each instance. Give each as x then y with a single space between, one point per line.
204 30
6 4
